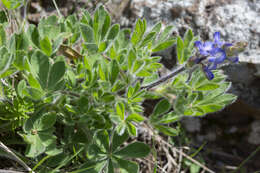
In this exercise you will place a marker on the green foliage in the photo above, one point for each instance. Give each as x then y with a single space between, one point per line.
75 85
12 4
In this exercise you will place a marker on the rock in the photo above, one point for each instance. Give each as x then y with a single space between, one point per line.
254 136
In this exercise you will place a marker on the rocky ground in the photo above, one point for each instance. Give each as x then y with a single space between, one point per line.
229 136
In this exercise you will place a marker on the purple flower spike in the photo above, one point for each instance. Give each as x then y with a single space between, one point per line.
218 56
217 39
208 73
204 48
211 54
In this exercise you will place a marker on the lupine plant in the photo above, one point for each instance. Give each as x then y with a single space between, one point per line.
72 88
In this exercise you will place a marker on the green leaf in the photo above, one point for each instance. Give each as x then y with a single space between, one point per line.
33 82
93 167
110 167
3 17
87 33
167 130
127 166
113 32
157 27
34 35
119 140
135 117
47 138
120 128
2 35
51 150
162 107
114 71
40 67
188 37
21 60
36 146
211 108
46 46
45 122
49 27
138 32
225 99
148 38
137 65
164 45
134 150
166 33
106 25
180 50
131 58
5 60
92 48
56 74
20 88
131 129
207 86
102 139
18 42
120 110
169 118
12 4
35 94
102 46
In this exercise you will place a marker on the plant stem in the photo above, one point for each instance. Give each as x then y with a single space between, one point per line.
56 6
14 157
165 78
247 159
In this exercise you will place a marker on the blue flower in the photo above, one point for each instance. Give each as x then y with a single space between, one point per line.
217 56
207 71
218 43
211 54
204 48
215 53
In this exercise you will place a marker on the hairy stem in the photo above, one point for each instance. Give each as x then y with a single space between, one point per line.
165 78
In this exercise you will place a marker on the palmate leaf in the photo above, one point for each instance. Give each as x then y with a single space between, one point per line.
127 166
114 71
162 107
167 130
134 150
113 32
46 46
87 33
5 60
49 27
49 76
118 140
12 4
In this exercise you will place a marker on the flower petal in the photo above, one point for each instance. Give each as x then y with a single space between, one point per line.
198 44
218 55
212 66
208 73
208 46
216 36
233 59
